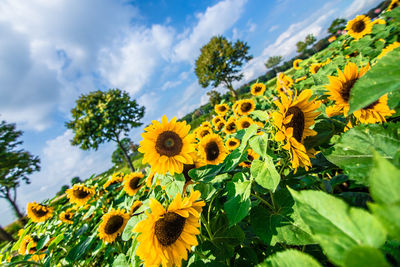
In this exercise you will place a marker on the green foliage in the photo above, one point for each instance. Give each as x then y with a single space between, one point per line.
383 78
215 97
290 258
337 25
117 156
220 62
273 61
100 117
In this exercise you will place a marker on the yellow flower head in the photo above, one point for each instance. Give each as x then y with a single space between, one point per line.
132 182
212 150
258 89
393 4
221 109
244 123
388 49
166 235
39 213
167 146
112 225
67 217
217 119
231 126
203 131
80 194
314 68
24 245
359 27
296 64
251 155
135 206
245 107
232 143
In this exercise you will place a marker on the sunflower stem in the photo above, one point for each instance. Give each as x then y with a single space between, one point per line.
203 220
263 201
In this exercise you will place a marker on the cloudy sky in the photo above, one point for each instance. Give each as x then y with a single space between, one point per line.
51 51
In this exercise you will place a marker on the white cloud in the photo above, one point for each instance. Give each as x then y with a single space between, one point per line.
215 20
358 7
273 28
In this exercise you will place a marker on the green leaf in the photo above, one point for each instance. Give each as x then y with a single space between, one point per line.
82 248
249 132
382 78
265 174
42 242
362 256
389 216
353 151
233 159
205 173
384 181
128 231
55 242
238 205
173 184
261 115
259 144
282 226
336 226
290 258
120 261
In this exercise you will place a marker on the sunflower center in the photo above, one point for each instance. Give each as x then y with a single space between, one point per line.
169 228
297 122
245 107
67 216
231 126
212 151
372 105
346 89
39 212
204 133
220 126
134 183
222 108
358 26
232 143
80 193
113 224
169 144
250 158
186 169
245 124
257 89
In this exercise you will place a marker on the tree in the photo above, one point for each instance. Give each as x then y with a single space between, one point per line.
273 62
337 25
100 117
62 190
220 62
215 97
15 165
118 155
302 45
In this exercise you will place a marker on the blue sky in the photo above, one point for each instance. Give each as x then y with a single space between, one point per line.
51 51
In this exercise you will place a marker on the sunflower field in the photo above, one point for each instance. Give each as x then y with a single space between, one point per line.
302 171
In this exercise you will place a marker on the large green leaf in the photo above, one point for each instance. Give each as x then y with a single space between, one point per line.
120 261
336 226
128 231
389 216
281 226
354 150
259 144
290 258
81 249
265 173
238 205
173 184
382 78
362 256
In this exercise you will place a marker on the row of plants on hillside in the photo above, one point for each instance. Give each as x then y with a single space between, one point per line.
305 172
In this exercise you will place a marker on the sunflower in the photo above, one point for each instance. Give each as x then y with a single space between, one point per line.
283 82
245 107
388 49
135 206
293 120
231 126
166 146
80 194
332 39
39 213
116 178
24 245
113 224
339 90
66 216
296 64
300 79
232 143
220 125
251 155
258 89
221 109
314 68
212 150
132 182
167 234
393 5
206 124
359 27
217 119
203 131
244 123
379 21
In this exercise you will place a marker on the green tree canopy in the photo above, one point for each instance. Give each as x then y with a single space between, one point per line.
15 164
118 155
302 45
215 97
337 25
273 62
220 62
100 117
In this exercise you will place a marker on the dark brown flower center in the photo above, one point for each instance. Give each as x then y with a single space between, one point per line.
316 68
372 105
186 169
250 158
220 126
231 126
358 26
245 124
169 144
257 89
67 216
222 108
217 120
212 151
297 122
246 107
346 89
80 193
39 212
135 208
134 183
169 228
232 143
204 133
113 224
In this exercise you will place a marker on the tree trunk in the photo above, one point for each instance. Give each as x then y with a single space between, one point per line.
5 236
127 159
233 91
15 206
